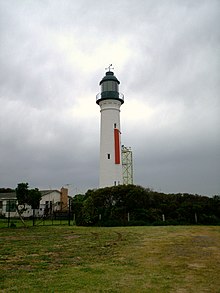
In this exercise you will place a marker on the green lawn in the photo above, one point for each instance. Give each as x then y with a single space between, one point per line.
126 259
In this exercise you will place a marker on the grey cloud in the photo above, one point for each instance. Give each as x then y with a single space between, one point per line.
174 61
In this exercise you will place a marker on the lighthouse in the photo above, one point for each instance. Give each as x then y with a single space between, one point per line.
110 101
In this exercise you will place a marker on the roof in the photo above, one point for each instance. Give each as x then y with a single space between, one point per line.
44 192
8 195
109 76
12 195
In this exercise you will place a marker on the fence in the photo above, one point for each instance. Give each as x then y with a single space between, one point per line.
47 214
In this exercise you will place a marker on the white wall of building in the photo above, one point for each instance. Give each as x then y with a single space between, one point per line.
110 173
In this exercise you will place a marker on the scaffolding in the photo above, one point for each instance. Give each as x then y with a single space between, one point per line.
127 165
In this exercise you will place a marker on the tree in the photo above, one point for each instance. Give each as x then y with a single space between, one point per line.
76 207
34 197
6 190
25 196
22 193
133 204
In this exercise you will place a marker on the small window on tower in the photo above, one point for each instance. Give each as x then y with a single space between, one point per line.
114 125
108 156
115 183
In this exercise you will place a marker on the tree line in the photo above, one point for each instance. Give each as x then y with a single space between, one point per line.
130 205
135 205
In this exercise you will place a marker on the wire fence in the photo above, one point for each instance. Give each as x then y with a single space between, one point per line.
47 214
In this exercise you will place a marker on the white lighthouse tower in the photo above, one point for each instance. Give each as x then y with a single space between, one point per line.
110 101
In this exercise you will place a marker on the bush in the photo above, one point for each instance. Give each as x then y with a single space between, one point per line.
209 220
111 223
138 223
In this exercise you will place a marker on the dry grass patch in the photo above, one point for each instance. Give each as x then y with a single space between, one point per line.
129 259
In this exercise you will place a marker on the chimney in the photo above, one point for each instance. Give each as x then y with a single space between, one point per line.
64 198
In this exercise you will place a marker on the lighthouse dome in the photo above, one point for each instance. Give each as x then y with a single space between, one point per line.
109 76
109 88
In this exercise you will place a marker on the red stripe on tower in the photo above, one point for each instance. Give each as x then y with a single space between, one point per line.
117 146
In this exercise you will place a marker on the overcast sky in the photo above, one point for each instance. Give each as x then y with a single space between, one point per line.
166 55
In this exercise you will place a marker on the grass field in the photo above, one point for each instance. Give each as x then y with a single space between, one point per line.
127 259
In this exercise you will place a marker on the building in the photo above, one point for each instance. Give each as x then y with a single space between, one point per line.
51 201
127 165
110 101
8 203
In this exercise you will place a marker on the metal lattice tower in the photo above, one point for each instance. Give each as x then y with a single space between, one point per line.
127 165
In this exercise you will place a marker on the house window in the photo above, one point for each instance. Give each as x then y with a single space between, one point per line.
108 155
115 183
11 206
1 204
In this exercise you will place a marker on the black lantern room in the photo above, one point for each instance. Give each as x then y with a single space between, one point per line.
109 88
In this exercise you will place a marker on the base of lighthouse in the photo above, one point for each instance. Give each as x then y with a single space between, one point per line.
110 144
